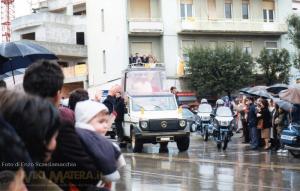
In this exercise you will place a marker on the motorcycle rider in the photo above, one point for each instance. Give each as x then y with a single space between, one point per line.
219 103
204 101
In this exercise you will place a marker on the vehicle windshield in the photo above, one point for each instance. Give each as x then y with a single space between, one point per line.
224 112
145 81
154 103
187 113
205 108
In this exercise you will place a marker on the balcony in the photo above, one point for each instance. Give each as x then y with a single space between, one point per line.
39 19
148 27
233 26
75 73
67 50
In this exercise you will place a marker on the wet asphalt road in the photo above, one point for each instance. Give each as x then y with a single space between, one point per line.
203 167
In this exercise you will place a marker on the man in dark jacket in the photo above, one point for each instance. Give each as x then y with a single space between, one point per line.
252 123
120 109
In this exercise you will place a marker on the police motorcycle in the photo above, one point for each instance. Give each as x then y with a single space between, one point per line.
205 128
223 125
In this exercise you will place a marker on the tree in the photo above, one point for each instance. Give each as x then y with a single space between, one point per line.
218 71
275 65
294 35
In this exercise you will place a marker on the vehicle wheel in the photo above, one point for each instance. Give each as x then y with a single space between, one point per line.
193 127
206 135
163 148
226 140
296 154
219 145
183 143
136 144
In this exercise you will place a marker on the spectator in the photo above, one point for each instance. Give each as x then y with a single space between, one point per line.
37 123
131 59
45 79
252 123
92 122
120 109
76 96
145 59
2 84
12 151
173 90
264 115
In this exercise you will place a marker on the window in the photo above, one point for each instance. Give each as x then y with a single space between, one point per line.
80 38
186 8
268 11
271 45
104 61
228 9
28 36
102 20
212 11
245 9
247 47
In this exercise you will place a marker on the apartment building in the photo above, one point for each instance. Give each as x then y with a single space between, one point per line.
60 26
166 28
99 36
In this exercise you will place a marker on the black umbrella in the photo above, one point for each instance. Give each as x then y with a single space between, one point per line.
260 93
276 88
21 54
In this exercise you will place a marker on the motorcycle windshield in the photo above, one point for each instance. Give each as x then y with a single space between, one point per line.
205 108
224 112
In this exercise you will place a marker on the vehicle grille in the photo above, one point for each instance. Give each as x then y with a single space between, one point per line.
164 125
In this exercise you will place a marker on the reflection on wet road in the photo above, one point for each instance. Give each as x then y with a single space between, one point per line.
205 168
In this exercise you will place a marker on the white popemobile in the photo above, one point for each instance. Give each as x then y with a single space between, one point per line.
152 114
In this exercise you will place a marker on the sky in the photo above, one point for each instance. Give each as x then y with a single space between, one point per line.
22 7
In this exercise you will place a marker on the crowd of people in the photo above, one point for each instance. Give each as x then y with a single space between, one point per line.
262 122
142 60
48 147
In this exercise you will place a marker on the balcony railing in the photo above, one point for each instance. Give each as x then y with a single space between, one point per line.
145 26
197 25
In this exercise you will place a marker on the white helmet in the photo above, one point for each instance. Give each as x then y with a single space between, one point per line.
204 100
220 102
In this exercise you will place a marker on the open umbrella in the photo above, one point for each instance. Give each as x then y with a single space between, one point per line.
259 91
283 104
292 94
21 54
244 90
276 88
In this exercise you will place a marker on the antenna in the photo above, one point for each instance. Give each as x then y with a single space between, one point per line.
7 15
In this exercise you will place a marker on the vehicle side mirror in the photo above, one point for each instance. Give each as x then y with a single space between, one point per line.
212 115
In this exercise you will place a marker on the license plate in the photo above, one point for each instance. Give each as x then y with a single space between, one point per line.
163 139
286 137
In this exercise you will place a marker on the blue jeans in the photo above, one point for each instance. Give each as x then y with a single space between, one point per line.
254 137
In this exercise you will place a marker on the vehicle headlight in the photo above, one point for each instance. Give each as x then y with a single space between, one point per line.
224 123
182 123
144 124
